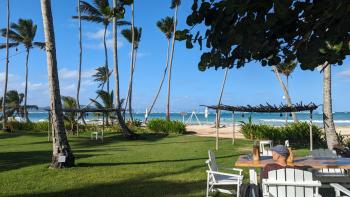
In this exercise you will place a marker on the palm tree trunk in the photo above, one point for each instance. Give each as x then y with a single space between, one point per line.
80 63
220 98
328 122
126 132
6 67
286 93
26 89
161 83
106 64
171 64
61 149
132 60
287 83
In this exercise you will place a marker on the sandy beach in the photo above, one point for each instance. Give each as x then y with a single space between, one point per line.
226 132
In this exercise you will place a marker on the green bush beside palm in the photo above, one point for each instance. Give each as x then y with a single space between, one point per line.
164 126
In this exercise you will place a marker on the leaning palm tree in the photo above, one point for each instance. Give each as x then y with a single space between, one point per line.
23 33
166 25
101 12
135 41
174 5
14 106
119 9
62 155
285 90
286 69
6 67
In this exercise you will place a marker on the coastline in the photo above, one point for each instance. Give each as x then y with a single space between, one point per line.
226 132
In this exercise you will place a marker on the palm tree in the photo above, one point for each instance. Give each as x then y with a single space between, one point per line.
166 25
328 122
80 61
100 13
6 67
286 69
134 40
14 105
101 76
61 150
106 101
119 8
24 33
70 103
285 90
174 5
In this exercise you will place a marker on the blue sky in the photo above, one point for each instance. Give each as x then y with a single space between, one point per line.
252 84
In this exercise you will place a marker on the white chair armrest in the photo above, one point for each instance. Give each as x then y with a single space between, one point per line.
234 169
226 174
340 188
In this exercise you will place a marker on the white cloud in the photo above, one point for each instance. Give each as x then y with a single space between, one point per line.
35 86
65 73
100 45
345 73
11 77
97 35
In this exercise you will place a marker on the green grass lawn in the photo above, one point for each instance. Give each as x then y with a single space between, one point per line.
152 166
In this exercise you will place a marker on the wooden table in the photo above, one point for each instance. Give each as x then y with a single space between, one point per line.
318 163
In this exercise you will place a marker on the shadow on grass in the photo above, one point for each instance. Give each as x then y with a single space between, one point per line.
149 162
143 185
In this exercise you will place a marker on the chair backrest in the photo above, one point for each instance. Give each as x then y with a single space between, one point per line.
263 151
212 161
323 153
286 143
290 182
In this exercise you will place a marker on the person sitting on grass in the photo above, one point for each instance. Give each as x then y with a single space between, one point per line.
280 154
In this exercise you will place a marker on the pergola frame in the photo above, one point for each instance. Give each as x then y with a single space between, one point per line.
261 109
104 111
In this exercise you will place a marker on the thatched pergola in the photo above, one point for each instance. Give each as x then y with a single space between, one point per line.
262 109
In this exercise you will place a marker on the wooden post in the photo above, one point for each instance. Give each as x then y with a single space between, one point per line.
217 130
233 127
311 141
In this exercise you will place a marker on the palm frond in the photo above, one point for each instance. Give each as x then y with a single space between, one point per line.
127 33
101 5
40 45
123 23
11 45
32 107
175 3
166 25
69 102
13 36
96 19
97 104
88 9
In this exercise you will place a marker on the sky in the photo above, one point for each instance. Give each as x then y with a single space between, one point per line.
190 87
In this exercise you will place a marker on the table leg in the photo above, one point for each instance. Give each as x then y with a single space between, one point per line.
253 178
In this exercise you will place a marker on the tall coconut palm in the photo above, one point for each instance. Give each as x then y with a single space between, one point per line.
119 8
101 12
174 5
80 61
285 90
106 101
6 67
135 41
165 25
14 106
328 122
101 76
62 155
23 33
286 69
70 103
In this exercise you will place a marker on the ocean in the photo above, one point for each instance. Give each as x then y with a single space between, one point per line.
340 118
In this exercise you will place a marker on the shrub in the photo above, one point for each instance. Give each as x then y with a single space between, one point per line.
298 134
164 126
30 126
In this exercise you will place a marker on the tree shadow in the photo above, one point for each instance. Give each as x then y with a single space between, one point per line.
143 185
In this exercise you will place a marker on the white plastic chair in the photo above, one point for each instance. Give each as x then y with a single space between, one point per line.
263 151
290 182
328 171
216 178
339 189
